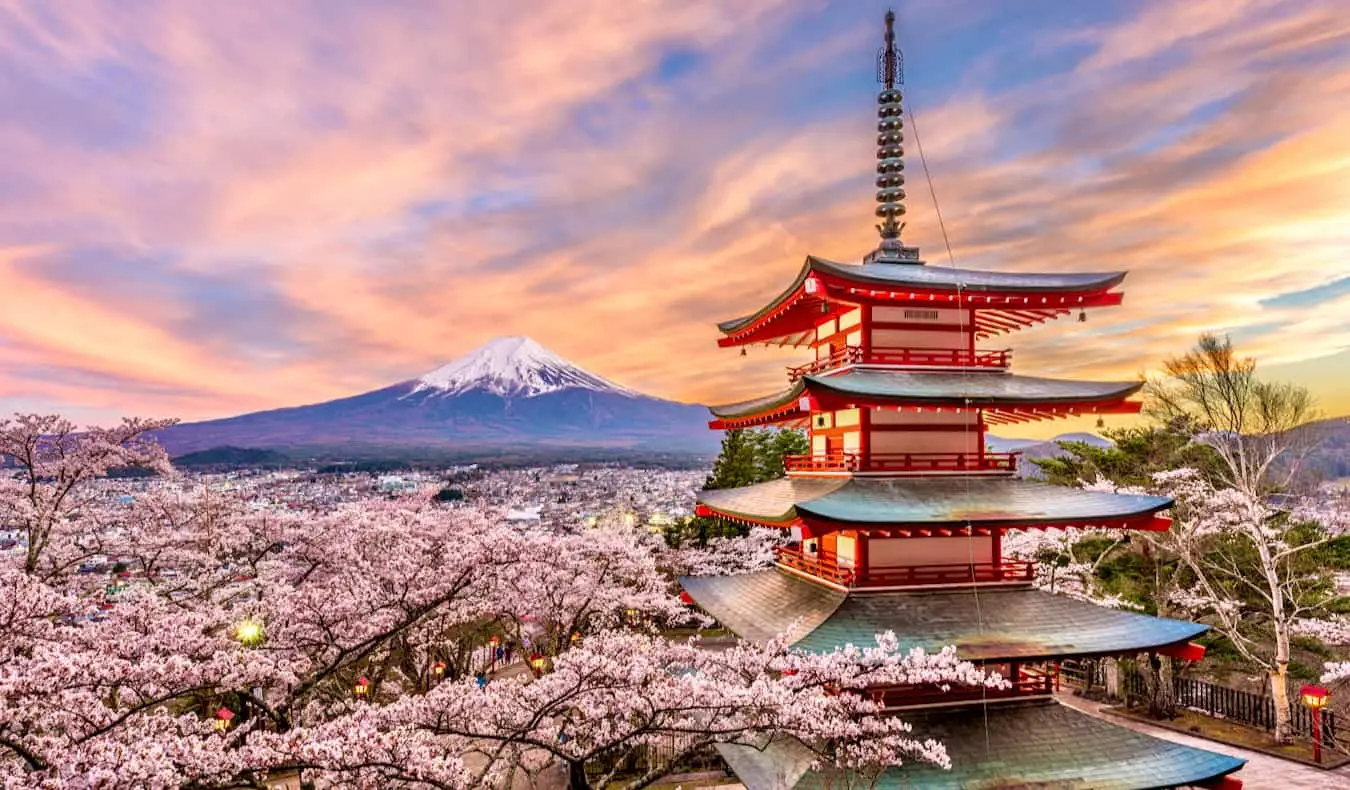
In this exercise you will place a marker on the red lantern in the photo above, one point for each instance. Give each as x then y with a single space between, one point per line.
1315 698
223 718
362 687
1187 652
438 668
537 663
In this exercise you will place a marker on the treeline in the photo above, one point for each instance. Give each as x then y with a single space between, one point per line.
748 456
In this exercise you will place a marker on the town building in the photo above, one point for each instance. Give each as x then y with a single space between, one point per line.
899 511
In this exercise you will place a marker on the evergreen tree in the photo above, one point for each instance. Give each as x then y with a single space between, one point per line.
1135 455
748 456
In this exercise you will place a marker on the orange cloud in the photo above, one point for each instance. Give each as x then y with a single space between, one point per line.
416 182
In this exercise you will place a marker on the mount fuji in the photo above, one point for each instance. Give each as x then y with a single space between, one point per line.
509 394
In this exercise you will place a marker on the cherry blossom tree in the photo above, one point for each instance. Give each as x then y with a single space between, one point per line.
55 461
1063 566
727 555
243 640
1248 571
618 694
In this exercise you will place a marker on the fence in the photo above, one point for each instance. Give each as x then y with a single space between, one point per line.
1256 710
1083 674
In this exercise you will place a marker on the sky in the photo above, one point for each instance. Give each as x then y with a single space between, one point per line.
212 208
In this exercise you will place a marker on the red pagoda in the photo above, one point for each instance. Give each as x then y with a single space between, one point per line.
898 512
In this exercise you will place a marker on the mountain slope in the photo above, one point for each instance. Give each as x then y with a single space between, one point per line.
511 392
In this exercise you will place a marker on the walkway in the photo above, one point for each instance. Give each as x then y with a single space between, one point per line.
1262 772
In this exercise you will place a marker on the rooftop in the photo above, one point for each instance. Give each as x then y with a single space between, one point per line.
920 278
929 501
988 624
1040 744
975 389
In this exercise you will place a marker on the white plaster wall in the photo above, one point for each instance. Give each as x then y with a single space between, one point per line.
928 551
925 442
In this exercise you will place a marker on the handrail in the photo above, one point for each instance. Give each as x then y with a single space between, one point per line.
1026 684
826 566
844 461
945 357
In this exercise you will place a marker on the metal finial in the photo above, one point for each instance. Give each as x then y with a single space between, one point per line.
890 152
890 62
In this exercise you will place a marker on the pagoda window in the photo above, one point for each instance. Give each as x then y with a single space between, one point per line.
850 319
827 330
822 420
848 418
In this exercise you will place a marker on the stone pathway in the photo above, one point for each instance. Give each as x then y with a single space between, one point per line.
1262 772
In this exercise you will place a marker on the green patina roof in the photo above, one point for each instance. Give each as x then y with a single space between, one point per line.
927 501
942 278
938 389
985 624
1042 745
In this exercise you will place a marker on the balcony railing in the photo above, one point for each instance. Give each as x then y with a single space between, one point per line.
917 357
914 463
1030 682
826 566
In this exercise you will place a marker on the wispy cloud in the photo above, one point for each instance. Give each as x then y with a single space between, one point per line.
208 208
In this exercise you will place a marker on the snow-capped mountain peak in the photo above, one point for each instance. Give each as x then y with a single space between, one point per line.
513 367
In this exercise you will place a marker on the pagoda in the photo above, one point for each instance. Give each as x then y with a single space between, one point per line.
898 512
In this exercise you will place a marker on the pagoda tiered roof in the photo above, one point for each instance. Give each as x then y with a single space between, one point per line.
1031 744
1005 300
985 624
929 502
994 391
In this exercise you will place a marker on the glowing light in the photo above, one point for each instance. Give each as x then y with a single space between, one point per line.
248 632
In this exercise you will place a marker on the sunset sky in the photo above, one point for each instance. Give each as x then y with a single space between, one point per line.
208 208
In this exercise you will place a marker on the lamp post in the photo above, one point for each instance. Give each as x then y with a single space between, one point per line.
362 687
537 663
223 718
1315 699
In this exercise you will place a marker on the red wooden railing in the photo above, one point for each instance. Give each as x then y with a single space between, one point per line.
902 462
826 566
1029 682
921 357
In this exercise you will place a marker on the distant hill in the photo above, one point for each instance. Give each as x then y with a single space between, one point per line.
511 394
1330 458
232 456
1032 449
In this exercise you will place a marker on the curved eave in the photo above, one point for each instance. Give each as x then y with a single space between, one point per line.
944 278
881 388
990 624
791 316
915 506
1024 399
1041 744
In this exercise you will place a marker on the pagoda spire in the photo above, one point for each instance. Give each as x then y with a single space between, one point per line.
890 153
